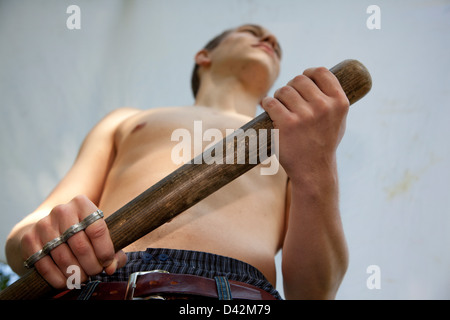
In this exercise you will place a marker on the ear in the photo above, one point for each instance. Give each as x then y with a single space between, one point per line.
203 58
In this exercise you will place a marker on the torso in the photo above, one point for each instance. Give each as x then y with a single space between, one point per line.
244 220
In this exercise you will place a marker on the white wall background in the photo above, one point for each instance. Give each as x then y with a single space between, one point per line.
55 84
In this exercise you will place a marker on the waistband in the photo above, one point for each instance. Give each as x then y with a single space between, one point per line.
157 284
190 262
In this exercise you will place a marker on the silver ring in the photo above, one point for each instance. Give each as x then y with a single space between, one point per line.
71 231
86 222
90 219
49 246
35 257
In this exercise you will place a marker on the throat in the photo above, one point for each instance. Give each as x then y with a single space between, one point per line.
231 97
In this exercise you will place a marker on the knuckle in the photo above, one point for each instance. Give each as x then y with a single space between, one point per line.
321 71
340 103
284 93
79 246
105 257
321 104
27 239
62 257
27 244
97 230
343 102
44 226
314 71
59 211
288 90
80 200
270 103
291 121
299 79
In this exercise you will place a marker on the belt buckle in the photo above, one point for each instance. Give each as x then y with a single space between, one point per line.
131 286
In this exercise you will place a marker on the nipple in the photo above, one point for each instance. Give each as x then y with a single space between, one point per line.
139 126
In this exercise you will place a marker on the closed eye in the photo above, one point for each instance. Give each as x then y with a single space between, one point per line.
252 30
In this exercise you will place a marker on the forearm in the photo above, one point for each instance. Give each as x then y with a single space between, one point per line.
315 255
310 114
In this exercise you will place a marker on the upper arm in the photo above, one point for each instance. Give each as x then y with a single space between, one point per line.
86 177
91 166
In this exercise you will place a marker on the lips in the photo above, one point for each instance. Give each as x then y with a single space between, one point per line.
266 48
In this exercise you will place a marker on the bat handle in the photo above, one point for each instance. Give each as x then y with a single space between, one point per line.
354 78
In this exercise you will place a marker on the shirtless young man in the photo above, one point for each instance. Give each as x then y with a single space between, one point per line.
250 219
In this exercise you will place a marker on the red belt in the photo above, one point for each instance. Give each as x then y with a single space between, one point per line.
148 285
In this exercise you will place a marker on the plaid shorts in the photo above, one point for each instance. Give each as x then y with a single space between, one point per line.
190 262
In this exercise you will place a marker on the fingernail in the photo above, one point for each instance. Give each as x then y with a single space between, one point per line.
110 269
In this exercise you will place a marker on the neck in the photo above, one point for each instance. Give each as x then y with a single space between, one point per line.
227 95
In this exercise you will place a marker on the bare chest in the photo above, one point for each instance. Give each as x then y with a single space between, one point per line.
147 152
196 126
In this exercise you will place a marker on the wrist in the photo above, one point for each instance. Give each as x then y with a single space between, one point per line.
320 172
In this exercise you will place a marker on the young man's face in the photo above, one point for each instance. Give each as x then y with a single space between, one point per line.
249 48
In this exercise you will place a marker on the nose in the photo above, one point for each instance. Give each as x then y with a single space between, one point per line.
272 40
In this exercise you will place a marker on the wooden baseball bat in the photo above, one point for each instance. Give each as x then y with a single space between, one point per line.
188 185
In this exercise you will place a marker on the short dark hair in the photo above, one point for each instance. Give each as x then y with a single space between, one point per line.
195 78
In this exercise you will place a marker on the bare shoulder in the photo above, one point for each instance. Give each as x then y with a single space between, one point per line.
110 122
103 132
120 114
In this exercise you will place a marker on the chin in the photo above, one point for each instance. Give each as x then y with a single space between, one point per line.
263 68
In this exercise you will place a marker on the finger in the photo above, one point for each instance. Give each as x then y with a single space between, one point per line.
275 109
64 258
64 216
289 97
51 272
97 233
100 239
80 244
30 244
305 87
325 81
84 253
120 259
